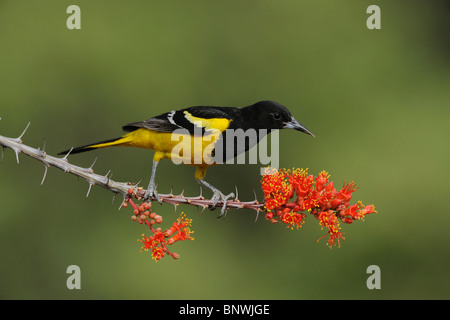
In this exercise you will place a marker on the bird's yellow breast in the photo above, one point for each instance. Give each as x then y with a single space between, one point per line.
181 148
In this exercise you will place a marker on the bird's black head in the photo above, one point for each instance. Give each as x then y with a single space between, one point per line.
272 115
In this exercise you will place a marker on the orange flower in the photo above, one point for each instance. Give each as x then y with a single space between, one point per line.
287 193
292 218
157 253
158 242
181 223
183 234
328 219
277 190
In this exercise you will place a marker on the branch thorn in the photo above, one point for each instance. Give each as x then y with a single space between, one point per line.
42 152
107 174
114 197
45 173
257 214
17 154
26 128
89 190
91 168
256 198
121 204
67 154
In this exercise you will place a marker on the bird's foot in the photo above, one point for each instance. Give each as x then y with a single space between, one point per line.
220 196
151 193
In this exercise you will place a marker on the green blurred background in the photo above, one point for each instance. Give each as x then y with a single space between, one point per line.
377 100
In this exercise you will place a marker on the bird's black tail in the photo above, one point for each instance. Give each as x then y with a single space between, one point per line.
93 146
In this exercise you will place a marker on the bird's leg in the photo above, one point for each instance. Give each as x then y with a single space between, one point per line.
218 195
151 189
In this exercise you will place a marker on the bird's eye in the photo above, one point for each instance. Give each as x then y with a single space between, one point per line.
276 116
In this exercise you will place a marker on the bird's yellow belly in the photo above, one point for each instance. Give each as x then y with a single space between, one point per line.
180 148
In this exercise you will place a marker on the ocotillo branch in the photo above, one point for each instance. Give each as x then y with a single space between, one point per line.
122 188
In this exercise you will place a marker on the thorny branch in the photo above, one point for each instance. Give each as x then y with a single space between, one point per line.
289 196
122 188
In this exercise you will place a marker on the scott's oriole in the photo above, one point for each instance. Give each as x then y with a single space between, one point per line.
192 135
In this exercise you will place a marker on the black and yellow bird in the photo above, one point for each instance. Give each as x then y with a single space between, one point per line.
192 135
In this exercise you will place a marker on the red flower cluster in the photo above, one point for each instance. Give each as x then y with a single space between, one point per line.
159 241
289 193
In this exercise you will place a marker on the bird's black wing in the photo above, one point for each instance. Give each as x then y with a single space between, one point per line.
161 123
181 119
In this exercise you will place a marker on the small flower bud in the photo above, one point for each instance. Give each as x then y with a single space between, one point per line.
347 220
175 255
158 218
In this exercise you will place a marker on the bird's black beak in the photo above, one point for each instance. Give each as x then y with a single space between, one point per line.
294 124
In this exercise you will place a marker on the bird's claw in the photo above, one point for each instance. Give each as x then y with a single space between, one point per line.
220 196
151 193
